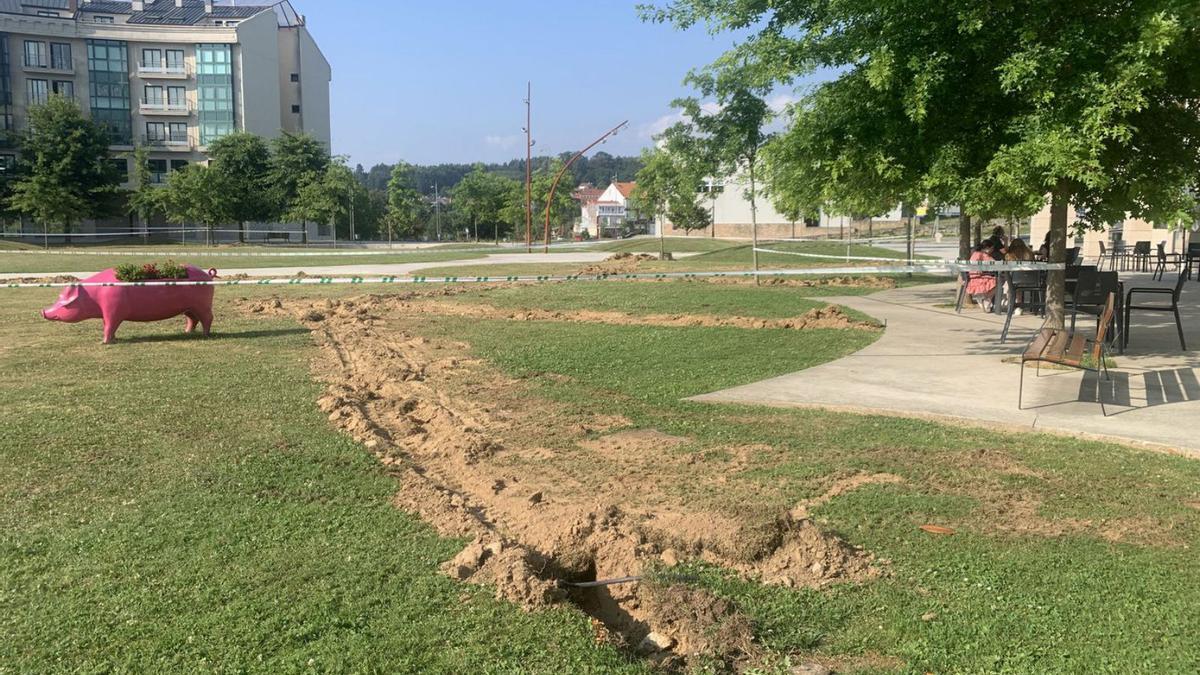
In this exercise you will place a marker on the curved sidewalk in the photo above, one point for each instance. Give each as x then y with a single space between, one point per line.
933 363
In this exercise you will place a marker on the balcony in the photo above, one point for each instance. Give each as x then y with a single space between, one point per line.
67 68
172 142
163 71
164 107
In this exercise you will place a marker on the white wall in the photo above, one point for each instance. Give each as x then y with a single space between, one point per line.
257 83
315 76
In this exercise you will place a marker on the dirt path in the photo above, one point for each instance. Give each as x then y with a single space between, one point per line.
555 497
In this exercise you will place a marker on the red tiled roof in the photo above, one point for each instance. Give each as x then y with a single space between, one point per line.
587 195
626 189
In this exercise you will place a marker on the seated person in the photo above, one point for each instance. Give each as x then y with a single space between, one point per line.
1018 251
981 286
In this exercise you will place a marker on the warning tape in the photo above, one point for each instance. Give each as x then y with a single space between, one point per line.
942 268
965 265
326 253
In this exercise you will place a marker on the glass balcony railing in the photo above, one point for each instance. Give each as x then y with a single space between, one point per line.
158 105
177 141
163 69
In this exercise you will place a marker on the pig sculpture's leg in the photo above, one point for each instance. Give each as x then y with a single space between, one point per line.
191 322
111 324
206 318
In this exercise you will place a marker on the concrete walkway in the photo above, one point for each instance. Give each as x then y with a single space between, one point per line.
397 269
933 363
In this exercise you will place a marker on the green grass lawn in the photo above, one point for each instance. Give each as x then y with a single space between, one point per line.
174 503
696 244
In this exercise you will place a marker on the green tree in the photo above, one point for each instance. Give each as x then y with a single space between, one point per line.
480 197
994 105
244 162
146 198
406 207
322 197
727 139
195 194
562 210
667 190
65 173
296 160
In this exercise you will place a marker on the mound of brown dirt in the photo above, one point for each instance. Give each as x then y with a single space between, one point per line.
618 263
829 317
553 496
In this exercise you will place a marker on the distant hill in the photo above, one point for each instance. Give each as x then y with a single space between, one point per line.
600 170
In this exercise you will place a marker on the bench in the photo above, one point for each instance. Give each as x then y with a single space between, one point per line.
279 236
1062 347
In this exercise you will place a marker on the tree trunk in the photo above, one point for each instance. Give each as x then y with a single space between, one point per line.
754 219
978 231
964 236
304 234
67 230
475 222
1056 285
241 232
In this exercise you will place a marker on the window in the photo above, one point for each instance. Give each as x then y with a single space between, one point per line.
102 19
108 72
175 60
42 12
39 91
296 109
64 88
156 132
158 171
153 94
8 163
177 164
152 58
120 166
60 56
295 77
214 91
35 54
179 132
176 97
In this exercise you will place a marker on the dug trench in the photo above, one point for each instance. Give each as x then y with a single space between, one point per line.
553 498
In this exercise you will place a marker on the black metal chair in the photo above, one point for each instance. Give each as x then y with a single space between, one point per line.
1192 258
1141 256
1108 255
1026 291
1092 292
1164 259
1173 293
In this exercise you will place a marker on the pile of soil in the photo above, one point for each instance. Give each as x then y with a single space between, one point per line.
551 496
830 316
618 263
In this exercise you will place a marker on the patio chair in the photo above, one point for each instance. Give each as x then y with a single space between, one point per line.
1108 255
1026 291
1141 256
1173 293
1164 259
1067 348
1192 258
1091 290
1120 255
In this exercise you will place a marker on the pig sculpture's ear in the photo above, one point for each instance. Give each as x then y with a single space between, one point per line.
71 294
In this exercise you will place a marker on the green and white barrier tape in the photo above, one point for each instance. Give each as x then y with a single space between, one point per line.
927 268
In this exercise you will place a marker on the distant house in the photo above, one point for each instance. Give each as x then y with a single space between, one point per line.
605 211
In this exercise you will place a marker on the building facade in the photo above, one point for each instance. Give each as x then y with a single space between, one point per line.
170 75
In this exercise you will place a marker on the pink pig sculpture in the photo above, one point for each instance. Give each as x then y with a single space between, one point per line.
116 304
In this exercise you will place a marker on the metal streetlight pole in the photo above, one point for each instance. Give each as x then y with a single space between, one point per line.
550 198
437 210
529 168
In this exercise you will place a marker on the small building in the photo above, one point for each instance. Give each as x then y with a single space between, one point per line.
730 210
606 213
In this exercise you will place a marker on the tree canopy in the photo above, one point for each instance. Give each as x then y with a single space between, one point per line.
994 106
244 161
65 173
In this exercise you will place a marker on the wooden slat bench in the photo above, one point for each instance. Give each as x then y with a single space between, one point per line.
1062 347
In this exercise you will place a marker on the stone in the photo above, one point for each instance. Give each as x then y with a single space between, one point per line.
669 557
656 642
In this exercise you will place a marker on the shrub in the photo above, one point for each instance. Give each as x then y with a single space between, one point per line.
130 272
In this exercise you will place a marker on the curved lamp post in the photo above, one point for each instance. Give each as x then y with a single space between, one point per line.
550 198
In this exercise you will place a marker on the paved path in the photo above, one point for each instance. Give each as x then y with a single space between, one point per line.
397 269
934 363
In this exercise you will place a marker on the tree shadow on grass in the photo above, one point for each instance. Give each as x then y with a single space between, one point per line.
184 337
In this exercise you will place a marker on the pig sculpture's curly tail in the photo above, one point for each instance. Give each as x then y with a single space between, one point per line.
213 273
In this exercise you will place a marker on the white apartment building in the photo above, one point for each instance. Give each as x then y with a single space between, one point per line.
172 75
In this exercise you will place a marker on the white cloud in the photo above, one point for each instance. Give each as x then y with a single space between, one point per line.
503 142
780 102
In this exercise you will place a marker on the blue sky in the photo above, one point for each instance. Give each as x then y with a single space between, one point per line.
443 81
